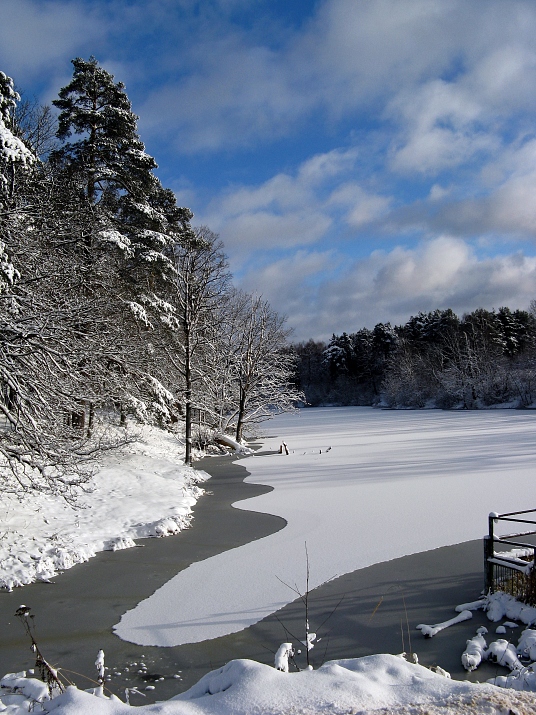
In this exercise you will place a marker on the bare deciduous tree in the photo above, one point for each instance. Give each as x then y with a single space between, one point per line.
201 280
264 368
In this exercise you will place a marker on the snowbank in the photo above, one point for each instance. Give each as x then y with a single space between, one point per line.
379 683
139 491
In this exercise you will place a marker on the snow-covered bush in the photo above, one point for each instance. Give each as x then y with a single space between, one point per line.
284 652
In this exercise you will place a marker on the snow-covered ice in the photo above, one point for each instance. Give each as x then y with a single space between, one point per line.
142 490
360 486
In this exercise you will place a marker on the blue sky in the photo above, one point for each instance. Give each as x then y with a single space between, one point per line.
361 160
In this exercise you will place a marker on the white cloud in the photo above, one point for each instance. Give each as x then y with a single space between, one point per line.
242 87
34 34
295 286
392 286
460 61
496 199
269 231
321 167
513 207
289 283
438 98
506 211
281 191
443 127
291 210
440 70
234 93
438 192
505 78
429 271
353 53
362 206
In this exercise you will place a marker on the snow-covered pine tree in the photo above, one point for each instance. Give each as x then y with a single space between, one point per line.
109 150
136 219
118 172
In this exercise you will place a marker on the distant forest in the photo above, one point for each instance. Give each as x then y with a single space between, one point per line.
435 360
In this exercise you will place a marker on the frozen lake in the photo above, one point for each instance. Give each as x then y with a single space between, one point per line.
360 486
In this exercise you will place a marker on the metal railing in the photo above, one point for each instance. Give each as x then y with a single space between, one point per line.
510 571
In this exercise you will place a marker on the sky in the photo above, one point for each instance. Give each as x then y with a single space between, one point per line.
361 160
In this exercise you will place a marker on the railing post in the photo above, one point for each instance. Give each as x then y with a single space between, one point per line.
488 554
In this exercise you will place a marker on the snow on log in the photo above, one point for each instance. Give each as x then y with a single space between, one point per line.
227 441
473 606
431 631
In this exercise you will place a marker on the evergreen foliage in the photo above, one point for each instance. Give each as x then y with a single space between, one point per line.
109 153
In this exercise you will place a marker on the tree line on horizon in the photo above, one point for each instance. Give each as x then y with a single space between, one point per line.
112 303
436 359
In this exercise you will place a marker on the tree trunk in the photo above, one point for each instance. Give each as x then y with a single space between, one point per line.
78 420
188 402
91 419
241 413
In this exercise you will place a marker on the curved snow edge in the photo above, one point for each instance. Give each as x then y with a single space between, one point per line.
142 491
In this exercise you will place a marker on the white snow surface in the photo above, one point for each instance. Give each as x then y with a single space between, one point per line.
378 683
141 490
360 486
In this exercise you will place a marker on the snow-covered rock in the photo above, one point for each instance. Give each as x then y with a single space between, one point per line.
500 605
526 647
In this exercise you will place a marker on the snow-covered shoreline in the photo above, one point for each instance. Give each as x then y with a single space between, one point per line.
138 491
383 684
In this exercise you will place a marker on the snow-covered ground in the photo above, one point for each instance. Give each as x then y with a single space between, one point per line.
383 684
360 486
141 490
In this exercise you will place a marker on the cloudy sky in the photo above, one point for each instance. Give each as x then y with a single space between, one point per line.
361 160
